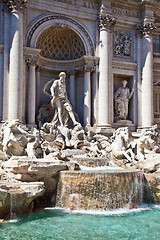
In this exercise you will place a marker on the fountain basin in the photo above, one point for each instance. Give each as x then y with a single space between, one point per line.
100 190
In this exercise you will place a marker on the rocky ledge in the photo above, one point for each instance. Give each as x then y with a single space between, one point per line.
28 183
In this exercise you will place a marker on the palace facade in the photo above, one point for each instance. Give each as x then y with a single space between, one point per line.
97 43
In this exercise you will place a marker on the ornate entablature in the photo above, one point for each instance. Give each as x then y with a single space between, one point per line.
15 5
146 28
122 43
117 10
82 3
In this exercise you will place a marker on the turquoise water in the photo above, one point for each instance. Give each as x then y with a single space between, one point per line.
56 224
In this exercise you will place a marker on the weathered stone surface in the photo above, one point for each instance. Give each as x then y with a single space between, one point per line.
153 156
153 187
38 167
2 173
149 165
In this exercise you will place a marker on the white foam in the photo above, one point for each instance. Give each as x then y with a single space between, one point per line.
156 206
80 156
118 212
100 168
13 220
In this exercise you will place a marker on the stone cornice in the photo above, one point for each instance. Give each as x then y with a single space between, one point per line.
15 5
126 10
124 65
93 4
76 64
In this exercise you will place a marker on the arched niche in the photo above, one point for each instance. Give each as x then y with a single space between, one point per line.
45 22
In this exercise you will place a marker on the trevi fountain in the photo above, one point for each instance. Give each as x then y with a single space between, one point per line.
79 119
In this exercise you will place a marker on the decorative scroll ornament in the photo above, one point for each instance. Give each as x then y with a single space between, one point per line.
122 44
146 28
15 5
106 20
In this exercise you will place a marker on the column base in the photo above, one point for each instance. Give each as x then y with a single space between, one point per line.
105 129
141 129
16 120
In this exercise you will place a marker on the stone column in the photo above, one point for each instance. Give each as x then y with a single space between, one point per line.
147 74
106 23
94 96
6 63
38 96
72 88
31 92
1 79
87 97
139 78
16 60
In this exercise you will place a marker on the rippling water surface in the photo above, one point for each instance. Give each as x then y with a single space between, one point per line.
142 223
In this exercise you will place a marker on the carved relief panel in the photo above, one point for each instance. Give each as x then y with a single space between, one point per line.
122 44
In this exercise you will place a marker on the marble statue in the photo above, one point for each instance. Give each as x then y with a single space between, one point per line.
122 97
56 89
57 120
127 45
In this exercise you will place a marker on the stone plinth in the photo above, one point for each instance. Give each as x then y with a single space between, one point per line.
125 123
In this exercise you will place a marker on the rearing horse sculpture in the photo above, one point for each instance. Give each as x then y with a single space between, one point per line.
119 146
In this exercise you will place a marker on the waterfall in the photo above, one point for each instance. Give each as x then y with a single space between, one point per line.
13 200
99 190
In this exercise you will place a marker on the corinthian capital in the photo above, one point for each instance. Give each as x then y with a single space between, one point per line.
106 21
15 5
146 28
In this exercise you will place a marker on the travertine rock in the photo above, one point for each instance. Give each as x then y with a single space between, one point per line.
16 198
153 187
35 168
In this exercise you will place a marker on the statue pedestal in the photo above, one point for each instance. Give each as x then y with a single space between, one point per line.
125 123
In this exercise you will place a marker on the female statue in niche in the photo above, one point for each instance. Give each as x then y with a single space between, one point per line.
122 97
